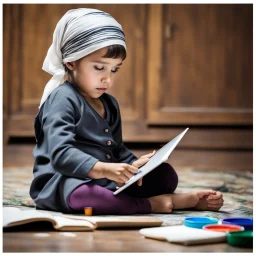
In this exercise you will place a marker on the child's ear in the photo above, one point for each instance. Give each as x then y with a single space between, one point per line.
70 65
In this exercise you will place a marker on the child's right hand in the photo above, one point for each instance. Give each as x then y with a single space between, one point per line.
118 172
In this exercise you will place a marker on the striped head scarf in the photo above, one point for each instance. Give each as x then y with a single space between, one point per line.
77 34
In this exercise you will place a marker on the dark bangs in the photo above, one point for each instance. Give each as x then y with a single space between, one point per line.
116 51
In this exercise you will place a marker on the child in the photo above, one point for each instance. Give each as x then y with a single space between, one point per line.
80 157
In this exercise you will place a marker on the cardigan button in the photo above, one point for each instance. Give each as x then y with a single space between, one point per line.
109 142
108 156
105 130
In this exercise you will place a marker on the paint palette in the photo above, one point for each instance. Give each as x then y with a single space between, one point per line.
199 222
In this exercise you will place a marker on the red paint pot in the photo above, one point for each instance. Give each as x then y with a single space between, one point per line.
223 228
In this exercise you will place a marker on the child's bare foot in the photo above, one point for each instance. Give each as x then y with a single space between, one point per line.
161 203
198 200
211 202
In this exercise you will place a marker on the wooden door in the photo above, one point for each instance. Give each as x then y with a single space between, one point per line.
28 31
200 64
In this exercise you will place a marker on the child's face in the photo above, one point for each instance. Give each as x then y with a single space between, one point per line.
93 74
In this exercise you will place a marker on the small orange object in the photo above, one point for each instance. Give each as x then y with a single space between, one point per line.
88 211
223 227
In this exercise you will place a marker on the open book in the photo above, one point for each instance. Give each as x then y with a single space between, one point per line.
13 216
181 234
159 157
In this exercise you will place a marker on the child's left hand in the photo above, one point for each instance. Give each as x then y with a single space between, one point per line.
140 162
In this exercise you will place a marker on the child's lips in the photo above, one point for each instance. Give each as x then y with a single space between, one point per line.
101 89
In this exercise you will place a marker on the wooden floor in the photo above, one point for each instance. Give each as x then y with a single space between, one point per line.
99 241
44 239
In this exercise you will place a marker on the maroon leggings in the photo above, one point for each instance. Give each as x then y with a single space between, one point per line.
132 200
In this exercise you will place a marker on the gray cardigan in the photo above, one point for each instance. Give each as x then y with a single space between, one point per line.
70 138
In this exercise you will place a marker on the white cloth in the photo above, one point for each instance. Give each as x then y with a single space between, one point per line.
78 33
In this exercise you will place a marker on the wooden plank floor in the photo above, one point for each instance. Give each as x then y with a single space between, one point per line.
44 239
99 241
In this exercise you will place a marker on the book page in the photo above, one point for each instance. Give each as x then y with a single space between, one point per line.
63 223
14 216
159 157
120 221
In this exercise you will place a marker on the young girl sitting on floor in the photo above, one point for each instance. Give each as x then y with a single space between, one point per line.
80 157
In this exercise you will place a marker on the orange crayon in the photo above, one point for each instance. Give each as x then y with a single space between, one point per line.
88 211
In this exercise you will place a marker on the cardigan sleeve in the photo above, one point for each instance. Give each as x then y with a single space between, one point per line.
58 124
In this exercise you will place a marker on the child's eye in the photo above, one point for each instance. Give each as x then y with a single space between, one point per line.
98 68
115 70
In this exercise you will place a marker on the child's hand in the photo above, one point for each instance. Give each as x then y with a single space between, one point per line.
146 156
141 161
119 172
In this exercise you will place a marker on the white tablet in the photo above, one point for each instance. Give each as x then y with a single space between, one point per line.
159 157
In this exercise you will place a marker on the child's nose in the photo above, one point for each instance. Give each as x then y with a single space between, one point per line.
106 79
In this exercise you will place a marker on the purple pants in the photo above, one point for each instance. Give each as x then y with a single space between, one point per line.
162 180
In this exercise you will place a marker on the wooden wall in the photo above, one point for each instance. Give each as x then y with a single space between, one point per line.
188 65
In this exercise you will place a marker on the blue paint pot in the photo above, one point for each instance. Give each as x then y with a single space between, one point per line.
247 223
199 222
